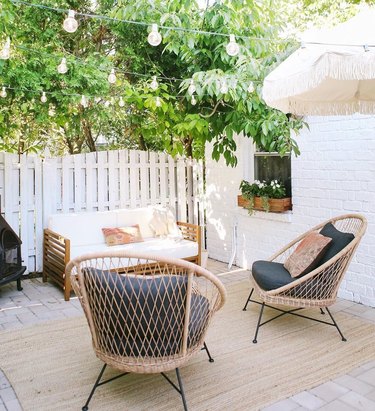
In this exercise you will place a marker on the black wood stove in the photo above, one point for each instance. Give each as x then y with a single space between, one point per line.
11 268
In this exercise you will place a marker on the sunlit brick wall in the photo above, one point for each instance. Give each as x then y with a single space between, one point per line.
335 174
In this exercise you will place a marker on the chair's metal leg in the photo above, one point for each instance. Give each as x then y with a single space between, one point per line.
335 324
181 389
210 359
19 287
258 325
248 299
86 406
321 311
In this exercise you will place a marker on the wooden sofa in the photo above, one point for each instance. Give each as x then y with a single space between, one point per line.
73 234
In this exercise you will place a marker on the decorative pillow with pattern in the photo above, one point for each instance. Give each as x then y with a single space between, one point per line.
307 255
122 235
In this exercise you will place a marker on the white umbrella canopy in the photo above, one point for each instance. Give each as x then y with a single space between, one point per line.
332 74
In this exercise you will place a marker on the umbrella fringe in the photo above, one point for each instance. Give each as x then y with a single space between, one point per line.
324 109
333 65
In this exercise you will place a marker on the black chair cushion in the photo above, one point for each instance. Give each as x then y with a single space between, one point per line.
270 275
144 315
339 241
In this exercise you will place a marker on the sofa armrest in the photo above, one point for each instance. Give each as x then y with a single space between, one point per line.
56 255
192 232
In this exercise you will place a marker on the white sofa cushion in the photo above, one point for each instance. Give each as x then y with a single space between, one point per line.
166 247
83 228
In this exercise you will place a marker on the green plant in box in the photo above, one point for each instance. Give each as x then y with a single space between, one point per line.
264 190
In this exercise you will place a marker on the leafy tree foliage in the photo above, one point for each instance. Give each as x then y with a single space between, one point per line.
176 125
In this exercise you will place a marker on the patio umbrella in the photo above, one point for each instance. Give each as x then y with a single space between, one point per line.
333 73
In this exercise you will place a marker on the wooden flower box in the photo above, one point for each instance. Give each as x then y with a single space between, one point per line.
277 205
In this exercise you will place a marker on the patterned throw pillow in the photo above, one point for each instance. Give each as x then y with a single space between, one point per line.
307 255
122 235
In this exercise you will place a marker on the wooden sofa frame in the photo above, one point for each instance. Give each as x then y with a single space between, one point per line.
56 254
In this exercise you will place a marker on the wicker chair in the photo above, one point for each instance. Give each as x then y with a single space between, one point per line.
319 287
146 314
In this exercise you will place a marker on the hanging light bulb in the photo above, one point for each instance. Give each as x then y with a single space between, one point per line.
70 23
51 111
112 77
154 38
62 68
154 84
250 88
224 87
192 88
193 101
158 102
232 47
121 102
5 52
83 101
43 99
3 93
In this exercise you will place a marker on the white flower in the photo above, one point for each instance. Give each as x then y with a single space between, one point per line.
278 185
261 185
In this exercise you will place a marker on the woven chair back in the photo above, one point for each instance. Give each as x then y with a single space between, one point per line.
320 286
146 313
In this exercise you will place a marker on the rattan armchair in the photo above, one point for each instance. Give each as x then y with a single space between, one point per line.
319 287
146 314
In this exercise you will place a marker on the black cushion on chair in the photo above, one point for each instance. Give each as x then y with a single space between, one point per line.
339 241
269 275
144 315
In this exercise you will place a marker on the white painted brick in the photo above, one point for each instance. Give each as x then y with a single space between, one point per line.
335 174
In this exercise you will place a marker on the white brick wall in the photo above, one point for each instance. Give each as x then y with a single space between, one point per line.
335 174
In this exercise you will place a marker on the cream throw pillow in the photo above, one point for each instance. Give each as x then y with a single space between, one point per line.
163 222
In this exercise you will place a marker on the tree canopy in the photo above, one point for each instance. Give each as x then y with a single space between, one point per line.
203 94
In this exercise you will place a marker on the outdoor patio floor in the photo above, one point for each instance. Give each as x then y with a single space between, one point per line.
40 302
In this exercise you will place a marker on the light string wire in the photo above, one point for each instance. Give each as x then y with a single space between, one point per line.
79 95
141 23
82 62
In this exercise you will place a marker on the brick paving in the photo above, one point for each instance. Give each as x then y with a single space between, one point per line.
39 302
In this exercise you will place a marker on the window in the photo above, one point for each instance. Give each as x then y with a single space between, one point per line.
270 166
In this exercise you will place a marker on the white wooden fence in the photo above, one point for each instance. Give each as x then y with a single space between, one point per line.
32 188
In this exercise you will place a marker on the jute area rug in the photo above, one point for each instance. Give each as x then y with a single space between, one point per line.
52 366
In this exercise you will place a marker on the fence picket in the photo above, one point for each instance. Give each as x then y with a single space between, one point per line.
32 188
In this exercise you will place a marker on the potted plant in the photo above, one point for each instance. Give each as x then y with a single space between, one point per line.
264 196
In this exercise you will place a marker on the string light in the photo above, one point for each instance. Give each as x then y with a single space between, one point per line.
83 101
158 102
192 88
70 23
232 47
5 52
193 101
154 84
112 77
3 93
62 68
154 38
43 99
